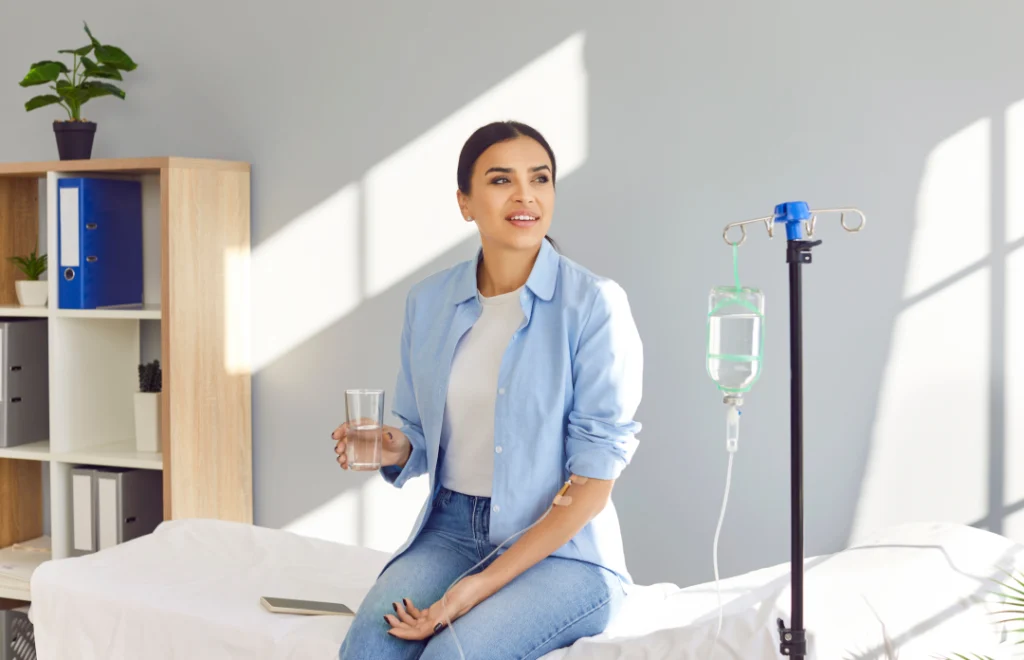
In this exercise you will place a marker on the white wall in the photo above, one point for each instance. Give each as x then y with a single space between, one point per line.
670 120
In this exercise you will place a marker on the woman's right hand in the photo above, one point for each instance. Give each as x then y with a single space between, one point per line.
395 448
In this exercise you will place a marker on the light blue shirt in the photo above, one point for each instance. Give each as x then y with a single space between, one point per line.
568 388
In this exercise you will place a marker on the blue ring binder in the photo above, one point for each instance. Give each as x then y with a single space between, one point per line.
99 234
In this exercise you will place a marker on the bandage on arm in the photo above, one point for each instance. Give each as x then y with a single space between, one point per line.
561 499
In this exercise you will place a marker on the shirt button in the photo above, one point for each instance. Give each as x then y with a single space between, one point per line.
496 508
497 449
501 391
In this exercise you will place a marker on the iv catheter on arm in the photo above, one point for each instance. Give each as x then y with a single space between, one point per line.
574 505
577 502
736 380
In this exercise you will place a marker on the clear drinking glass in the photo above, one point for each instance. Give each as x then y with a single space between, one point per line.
364 410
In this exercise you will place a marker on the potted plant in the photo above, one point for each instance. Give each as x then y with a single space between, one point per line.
74 87
147 407
32 292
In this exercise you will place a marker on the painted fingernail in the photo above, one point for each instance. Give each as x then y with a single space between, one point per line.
395 605
438 627
386 620
405 602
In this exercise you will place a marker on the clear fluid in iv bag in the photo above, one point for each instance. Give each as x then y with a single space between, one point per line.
735 337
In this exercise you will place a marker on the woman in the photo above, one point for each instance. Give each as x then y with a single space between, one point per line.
520 371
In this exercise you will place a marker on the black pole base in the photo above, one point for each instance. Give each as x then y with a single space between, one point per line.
793 643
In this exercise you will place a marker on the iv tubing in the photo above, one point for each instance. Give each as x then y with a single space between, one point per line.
732 433
444 603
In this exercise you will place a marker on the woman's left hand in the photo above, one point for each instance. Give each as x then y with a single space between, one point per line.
412 623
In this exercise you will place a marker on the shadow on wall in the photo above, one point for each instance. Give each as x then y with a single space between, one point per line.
667 129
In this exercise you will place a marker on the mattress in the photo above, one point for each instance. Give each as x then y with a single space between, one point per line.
191 589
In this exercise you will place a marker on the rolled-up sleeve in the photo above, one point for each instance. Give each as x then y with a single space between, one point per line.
607 387
405 409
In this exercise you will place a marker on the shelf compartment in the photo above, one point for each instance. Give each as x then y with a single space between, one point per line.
93 375
15 582
21 519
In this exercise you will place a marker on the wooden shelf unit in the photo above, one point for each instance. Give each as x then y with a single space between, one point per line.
196 228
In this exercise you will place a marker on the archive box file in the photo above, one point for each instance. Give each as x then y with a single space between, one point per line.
24 381
113 505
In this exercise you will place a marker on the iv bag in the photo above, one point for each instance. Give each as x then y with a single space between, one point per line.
735 337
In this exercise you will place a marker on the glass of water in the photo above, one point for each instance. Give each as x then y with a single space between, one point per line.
364 410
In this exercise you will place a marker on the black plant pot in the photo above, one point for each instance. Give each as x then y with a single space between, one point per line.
74 139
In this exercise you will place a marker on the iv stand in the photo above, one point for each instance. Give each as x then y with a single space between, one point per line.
797 218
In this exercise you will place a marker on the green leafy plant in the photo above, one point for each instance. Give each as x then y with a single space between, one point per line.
150 377
31 265
1012 598
83 81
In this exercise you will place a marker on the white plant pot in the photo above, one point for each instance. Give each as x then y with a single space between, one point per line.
147 421
31 293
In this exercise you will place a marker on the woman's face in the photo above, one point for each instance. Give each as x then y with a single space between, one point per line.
511 195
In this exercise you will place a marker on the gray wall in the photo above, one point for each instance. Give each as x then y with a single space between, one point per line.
695 116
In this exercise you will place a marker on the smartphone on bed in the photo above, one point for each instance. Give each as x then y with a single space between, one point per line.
296 606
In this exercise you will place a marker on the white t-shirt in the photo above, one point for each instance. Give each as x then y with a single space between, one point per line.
472 392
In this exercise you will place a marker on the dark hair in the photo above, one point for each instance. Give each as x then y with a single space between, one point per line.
485 137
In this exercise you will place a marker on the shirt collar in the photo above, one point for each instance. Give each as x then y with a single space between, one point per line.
541 281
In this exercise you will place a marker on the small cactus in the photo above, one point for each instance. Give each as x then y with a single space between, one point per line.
150 377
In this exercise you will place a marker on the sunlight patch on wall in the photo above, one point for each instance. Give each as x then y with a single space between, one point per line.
412 215
375 515
929 447
336 520
953 224
930 442
389 513
305 277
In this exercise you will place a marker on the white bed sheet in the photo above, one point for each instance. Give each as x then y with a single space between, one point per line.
913 591
192 589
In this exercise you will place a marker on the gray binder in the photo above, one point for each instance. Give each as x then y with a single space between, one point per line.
113 505
24 381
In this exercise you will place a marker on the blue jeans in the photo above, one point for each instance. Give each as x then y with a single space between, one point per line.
547 607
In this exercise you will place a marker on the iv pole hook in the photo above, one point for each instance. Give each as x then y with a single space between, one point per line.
767 220
809 225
